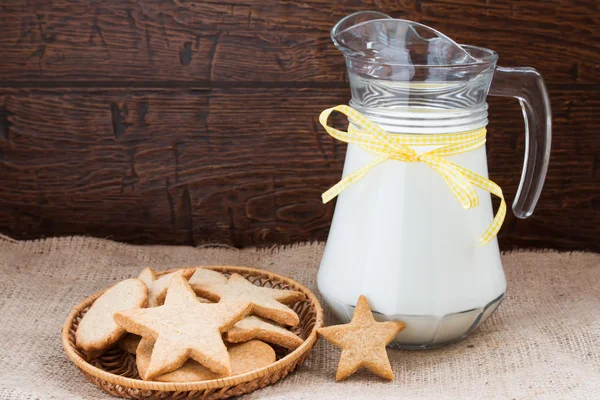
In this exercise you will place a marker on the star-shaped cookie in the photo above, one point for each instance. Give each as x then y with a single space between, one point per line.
363 342
266 302
205 276
184 328
157 286
254 327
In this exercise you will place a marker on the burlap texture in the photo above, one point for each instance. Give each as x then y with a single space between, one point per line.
543 343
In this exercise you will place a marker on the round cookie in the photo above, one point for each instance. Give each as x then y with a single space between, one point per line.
245 357
129 343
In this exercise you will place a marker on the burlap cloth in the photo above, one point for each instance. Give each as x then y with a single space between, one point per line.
543 343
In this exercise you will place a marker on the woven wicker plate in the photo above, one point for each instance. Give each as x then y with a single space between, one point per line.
115 372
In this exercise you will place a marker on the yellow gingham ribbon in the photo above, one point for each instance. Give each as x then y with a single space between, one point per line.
461 181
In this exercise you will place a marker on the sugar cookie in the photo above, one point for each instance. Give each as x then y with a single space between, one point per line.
266 302
157 286
245 357
204 276
184 328
97 331
363 342
257 328
129 343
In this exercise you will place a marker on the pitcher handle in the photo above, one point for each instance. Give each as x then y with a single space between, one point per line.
527 85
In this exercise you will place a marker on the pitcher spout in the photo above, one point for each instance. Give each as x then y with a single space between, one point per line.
349 21
371 36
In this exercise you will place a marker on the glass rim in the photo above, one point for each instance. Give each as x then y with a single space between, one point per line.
490 58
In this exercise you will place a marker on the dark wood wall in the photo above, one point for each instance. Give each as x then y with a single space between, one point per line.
182 122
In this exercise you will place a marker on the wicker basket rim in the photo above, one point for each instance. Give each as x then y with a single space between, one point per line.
198 385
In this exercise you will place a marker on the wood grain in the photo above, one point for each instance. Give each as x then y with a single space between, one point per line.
200 43
188 122
156 167
242 166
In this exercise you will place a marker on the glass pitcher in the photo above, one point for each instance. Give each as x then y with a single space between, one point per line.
399 236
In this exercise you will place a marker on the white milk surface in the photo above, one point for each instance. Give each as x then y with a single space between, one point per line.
400 237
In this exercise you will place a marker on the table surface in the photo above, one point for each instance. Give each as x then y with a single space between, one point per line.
542 343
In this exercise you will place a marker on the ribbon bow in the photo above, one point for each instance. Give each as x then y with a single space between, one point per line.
370 137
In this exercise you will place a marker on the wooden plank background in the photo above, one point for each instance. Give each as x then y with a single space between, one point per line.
188 122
